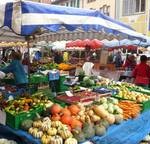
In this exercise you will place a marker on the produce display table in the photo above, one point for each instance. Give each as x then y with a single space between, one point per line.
128 132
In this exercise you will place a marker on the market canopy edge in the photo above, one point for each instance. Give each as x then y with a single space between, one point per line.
25 17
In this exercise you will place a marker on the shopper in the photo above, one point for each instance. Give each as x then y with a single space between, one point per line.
141 73
130 63
118 60
16 68
58 58
88 67
26 62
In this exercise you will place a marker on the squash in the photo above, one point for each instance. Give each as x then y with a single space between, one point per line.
52 131
88 130
65 134
62 127
55 109
66 119
56 140
100 111
95 118
32 129
46 126
37 134
110 118
74 109
100 130
46 119
26 124
55 117
71 141
37 124
45 139
78 135
56 124
118 118
104 123
65 111
76 123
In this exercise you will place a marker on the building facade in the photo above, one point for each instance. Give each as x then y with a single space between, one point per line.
136 13
105 6
42 1
69 3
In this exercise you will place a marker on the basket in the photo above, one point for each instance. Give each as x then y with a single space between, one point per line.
14 121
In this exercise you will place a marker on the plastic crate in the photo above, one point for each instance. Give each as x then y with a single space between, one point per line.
60 86
14 121
146 106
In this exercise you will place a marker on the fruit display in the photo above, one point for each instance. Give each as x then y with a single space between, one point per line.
130 109
27 103
131 95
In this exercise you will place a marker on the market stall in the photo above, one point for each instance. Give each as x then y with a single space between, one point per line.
91 105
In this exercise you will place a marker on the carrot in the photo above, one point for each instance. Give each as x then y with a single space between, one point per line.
130 109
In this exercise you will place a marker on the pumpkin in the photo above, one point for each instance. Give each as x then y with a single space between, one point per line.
65 134
55 109
100 130
74 109
26 124
110 118
37 124
56 124
52 131
46 126
66 119
56 140
65 111
76 123
71 141
55 117
45 139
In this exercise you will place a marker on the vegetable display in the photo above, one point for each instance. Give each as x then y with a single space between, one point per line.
130 109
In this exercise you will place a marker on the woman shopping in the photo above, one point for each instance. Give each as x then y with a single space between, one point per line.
141 73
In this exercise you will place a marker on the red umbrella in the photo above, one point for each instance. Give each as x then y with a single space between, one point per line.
95 44
78 43
87 42
69 44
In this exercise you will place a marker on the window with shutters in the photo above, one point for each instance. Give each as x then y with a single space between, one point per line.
105 9
90 1
130 7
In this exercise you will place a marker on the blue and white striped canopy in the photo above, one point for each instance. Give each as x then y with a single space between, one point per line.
126 42
25 17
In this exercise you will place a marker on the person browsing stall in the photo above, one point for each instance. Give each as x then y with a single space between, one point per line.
16 68
141 73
